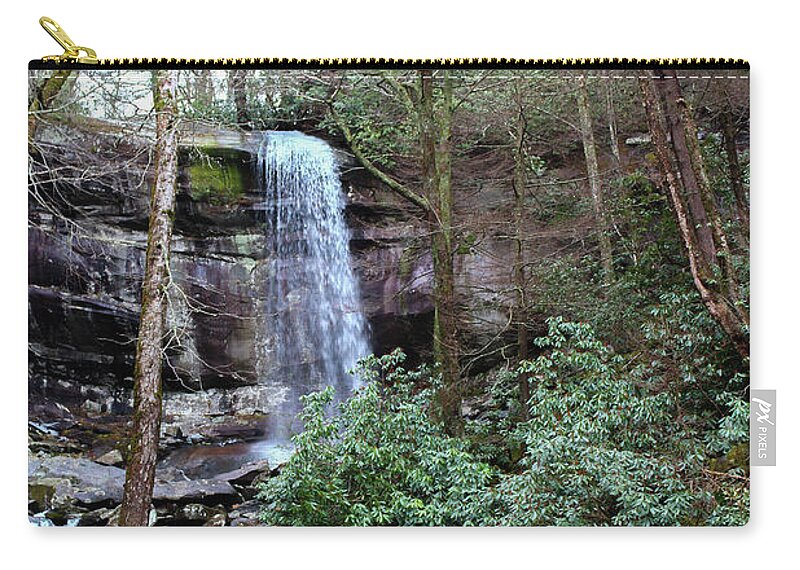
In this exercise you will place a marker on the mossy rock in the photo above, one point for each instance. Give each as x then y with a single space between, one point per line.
739 455
219 176
40 494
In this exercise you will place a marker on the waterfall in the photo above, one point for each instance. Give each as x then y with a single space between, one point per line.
317 329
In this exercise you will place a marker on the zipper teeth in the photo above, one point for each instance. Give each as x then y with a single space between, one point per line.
371 62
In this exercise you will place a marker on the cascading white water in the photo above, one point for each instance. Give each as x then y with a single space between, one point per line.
313 308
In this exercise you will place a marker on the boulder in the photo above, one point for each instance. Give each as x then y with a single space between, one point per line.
246 474
64 489
61 481
113 457
203 491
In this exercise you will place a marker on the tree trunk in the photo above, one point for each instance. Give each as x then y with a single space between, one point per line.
43 99
612 122
735 170
715 282
140 474
436 200
204 88
593 173
238 84
670 96
722 261
519 183
520 283
435 146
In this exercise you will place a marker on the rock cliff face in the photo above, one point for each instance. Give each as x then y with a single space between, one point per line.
87 239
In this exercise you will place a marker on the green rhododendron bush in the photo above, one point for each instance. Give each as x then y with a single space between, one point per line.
383 460
609 441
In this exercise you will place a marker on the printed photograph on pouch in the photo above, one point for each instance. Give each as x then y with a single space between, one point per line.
456 296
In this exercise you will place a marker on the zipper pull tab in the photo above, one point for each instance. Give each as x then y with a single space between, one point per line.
72 52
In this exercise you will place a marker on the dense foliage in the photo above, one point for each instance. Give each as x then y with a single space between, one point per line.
380 461
607 444
602 448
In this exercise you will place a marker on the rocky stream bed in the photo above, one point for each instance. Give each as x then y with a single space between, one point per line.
203 485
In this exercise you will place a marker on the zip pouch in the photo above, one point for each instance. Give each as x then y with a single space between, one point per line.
387 292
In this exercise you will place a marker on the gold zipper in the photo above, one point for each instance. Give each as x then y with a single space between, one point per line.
75 55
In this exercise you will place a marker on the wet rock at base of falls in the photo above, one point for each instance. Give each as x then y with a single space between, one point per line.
248 477
246 474
61 481
217 415
210 461
73 490
206 491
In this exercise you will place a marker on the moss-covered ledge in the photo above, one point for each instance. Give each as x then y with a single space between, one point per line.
218 175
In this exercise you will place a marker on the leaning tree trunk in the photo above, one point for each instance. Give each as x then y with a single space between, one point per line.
712 273
671 97
723 260
140 475
593 173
